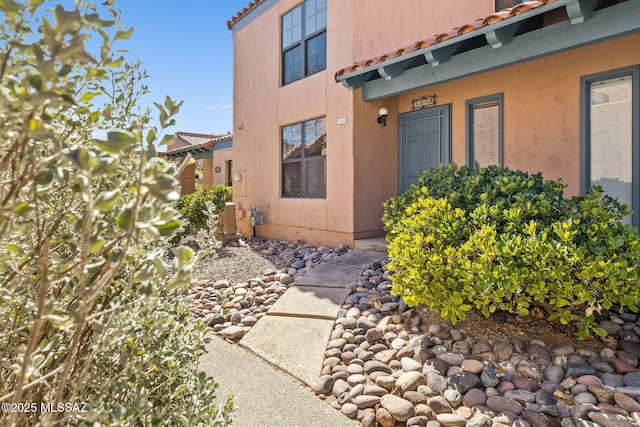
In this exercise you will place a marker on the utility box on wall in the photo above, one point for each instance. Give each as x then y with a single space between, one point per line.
255 217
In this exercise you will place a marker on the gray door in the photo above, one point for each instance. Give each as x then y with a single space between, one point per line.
425 141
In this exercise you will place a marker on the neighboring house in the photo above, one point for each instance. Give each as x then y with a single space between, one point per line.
212 153
542 86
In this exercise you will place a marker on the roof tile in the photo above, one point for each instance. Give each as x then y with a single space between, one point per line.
441 37
206 144
243 12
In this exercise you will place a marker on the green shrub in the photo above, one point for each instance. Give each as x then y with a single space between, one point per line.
193 207
496 239
91 310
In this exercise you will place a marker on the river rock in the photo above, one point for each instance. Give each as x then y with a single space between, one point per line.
503 404
465 381
409 381
399 408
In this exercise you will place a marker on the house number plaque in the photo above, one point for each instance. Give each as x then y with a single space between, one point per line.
426 101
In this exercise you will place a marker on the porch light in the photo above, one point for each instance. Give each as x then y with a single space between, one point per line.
382 116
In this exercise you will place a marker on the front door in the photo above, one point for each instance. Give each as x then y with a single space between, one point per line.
425 141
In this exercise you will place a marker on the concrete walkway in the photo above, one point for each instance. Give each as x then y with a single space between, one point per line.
292 338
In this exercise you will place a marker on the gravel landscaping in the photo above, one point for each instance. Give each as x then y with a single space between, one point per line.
389 365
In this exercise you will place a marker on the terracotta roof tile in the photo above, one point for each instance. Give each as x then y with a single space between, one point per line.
441 37
206 144
242 13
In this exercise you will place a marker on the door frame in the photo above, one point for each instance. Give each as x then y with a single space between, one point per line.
445 140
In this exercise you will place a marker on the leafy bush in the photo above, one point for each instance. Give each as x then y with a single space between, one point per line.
193 207
91 312
496 239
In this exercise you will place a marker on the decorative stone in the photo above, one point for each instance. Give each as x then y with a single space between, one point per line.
464 381
538 420
324 384
365 401
233 332
415 397
386 381
474 397
339 386
385 356
410 381
399 408
349 409
503 404
436 382
447 420
610 419
632 379
376 366
374 334
554 373
409 364
489 378
439 405
602 393
473 366
625 402
375 390
578 370
480 420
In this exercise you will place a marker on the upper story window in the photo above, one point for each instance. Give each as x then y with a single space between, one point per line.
304 40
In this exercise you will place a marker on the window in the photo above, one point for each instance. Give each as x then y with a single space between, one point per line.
304 165
484 131
304 40
610 135
229 167
504 4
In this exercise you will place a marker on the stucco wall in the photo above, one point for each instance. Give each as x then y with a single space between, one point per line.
262 106
541 106
207 171
361 155
220 158
382 26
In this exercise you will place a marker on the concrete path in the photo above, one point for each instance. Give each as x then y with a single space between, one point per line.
263 396
292 338
294 333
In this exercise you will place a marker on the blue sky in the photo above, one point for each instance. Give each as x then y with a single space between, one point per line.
187 50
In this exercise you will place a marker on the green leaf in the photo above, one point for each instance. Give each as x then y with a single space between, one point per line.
117 141
167 140
88 96
583 332
44 177
35 81
151 136
125 219
167 228
65 19
14 248
96 245
599 331
106 200
124 35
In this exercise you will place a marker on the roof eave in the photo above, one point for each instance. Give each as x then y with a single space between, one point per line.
497 35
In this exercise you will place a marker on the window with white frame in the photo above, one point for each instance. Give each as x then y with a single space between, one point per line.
304 40
610 135
484 131
304 159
